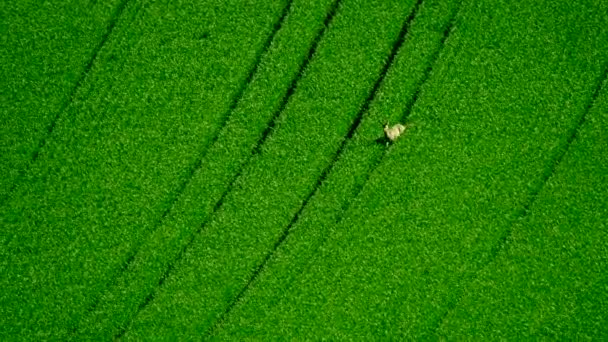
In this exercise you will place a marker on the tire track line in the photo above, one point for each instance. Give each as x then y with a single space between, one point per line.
71 97
255 151
198 162
548 173
364 109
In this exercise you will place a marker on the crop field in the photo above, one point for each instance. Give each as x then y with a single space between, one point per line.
218 170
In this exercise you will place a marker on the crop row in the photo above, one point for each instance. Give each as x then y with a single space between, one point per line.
45 54
274 185
425 38
499 107
155 97
552 272
246 129
216 168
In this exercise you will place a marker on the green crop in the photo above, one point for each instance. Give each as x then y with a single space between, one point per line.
158 92
550 280
435 209
288 166
217 169
288 55
46 52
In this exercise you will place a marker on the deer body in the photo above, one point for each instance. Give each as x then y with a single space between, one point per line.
393 132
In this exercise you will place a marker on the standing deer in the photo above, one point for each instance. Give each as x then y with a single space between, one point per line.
391 133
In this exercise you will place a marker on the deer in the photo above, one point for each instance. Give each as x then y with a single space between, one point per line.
391 133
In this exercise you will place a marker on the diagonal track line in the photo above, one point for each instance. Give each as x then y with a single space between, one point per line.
409 106
525 210
77 85
295 81
405 115
378 159
553 164
198 162
365 107
255 150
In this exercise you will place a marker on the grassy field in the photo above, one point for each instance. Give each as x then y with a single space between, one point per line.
550 279
38 82
217 170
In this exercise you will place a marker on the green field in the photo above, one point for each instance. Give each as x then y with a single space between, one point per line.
216 169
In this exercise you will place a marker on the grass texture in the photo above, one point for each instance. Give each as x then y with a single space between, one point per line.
550 280
216 170
415 56
435 209
275 183
46 51
152 101
296 37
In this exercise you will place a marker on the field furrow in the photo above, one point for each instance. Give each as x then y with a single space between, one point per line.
549 280
46 52
347 139
266 96
155 97
416 56
497 108
271 189
220 170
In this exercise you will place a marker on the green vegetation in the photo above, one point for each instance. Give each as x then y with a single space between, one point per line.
216 169
46 49
158 92
288 54
361 155
435 208
550 280
275 183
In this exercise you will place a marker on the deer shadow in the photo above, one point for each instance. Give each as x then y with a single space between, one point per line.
384 141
